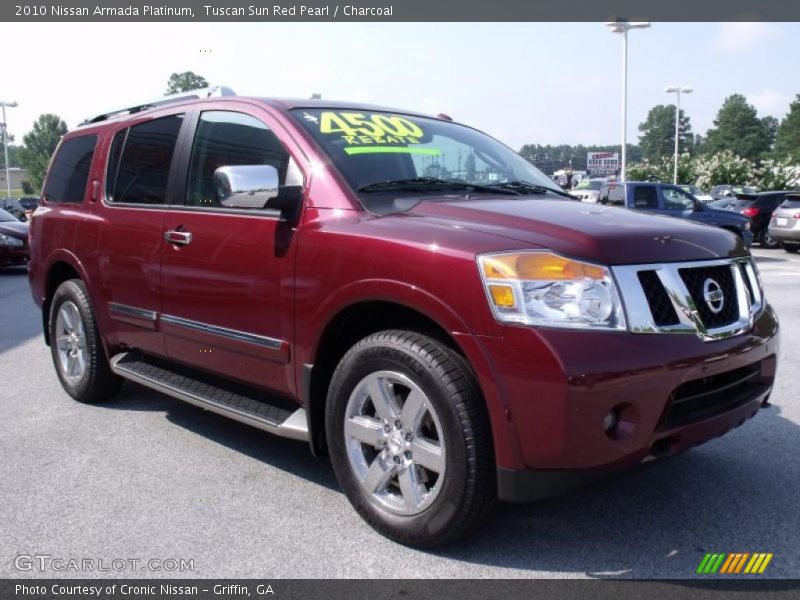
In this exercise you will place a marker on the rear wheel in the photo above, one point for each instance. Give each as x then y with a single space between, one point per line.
75 345
767 241
791 248
409 439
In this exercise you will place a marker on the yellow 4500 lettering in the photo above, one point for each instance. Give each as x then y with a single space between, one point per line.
378 126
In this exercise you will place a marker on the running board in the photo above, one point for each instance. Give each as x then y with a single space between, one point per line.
244 409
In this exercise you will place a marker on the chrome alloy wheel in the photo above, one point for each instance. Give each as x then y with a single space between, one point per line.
395 443
71 342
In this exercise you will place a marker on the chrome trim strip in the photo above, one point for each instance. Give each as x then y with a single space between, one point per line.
295 427
637 308
242 336
132 311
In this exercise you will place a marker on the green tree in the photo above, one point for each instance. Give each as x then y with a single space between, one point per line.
13 153
39 145
657 138
185 82
738 129
787 140
771 125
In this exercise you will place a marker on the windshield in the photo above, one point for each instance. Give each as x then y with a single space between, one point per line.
588 184
370 147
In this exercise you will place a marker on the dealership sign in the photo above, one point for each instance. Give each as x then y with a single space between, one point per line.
602 163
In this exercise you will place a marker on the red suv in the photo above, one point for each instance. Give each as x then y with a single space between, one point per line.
405 293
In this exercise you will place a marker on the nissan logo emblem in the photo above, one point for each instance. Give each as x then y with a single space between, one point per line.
712 293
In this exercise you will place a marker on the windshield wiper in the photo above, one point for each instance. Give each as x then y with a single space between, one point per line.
526 187
422 184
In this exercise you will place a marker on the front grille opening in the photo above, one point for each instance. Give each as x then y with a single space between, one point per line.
708 396
695 279
661 307
747 284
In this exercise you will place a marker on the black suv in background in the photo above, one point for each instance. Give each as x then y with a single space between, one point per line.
759 208
670 200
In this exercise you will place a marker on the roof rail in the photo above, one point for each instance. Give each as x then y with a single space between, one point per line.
217 90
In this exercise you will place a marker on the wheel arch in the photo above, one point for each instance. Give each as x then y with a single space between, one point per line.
62 267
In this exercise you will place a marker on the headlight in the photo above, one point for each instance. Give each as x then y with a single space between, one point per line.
542 288
7 240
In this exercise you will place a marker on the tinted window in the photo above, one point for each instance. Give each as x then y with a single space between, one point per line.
791 202
140 159
70 171
7 217
228 138
769 201
645 197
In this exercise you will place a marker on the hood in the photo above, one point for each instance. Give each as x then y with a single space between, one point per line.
604 234
17 230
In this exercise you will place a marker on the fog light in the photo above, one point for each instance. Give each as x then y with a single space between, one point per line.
611 421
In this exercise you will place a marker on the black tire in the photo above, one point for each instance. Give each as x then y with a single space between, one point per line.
97 382
791 248
466 498
768 241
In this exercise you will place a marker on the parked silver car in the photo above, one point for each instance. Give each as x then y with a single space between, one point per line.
784 225
588 190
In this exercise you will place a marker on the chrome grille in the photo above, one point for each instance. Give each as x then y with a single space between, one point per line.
678 297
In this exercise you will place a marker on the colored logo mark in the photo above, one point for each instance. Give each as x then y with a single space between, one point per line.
734 562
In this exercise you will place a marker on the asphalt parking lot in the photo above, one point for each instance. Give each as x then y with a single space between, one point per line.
146 476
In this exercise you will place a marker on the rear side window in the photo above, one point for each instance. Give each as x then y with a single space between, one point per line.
70 171
140 159
645 197
791 202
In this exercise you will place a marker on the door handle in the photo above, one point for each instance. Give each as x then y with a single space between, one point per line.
179 238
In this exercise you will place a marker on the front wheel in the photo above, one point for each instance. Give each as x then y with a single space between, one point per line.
409 439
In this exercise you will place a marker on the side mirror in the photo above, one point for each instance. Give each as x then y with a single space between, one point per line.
257 186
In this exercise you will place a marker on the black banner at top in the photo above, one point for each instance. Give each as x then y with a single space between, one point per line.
400 10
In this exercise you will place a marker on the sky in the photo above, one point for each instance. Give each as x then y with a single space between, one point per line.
546 83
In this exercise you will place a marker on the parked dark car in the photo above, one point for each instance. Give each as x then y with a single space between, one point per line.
723 203
784 226
670 200
447 342
29 203
13 240
759 208
726 191
12 206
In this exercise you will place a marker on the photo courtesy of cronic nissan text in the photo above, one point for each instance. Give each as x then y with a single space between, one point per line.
327 300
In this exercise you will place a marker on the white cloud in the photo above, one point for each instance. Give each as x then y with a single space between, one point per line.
771 102
738 38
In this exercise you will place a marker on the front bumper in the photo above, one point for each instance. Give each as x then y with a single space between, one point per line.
560 385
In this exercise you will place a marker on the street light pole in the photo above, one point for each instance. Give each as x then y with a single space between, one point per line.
677 90
5 143
622 26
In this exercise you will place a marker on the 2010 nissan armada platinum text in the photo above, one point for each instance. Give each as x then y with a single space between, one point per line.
405 293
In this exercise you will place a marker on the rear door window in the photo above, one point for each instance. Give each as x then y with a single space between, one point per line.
645 197
140 159
70 170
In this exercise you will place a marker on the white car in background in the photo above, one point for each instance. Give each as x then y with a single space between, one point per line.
695 191
588 190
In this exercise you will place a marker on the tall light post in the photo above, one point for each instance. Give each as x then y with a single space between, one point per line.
5 142
622 26
677 90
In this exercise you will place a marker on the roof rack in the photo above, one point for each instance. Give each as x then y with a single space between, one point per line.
217 90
